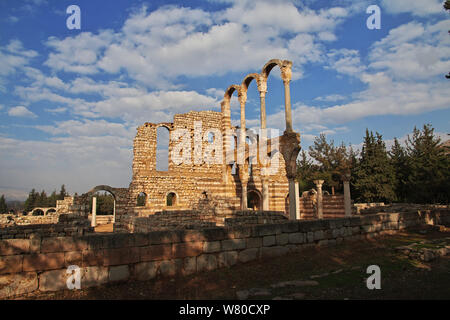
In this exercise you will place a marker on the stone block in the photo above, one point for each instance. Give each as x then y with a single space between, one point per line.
92 258
267 230
296 238
254 242
170 268
145 270
269 241
227 259
233 244
187 249
17 284
189 265
73 258
310 237
11 264
119 273
14 246
156 252
211 246
248 255
163 237
94 276
318 235
54 280
288 227
44 261
282 239
206 262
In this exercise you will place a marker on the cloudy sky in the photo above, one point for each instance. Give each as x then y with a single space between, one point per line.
70 100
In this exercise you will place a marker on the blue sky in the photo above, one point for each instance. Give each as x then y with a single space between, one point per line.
70 100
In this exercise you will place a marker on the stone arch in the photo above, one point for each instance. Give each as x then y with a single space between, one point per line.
162 143
91 192
37 212
248 79
171 199
230 90
254 199
141 199
270 65
50 210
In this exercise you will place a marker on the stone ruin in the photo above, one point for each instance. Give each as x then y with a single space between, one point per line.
239 189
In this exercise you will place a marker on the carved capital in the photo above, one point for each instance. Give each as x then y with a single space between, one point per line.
286 73
262 85
242 96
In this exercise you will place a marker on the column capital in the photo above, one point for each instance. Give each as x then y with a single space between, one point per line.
319 183
262 85
286 73
242 96
346 177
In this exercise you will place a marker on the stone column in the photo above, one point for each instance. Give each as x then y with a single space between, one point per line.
262 88
347 195
319 184
94 212
297 199
294 201
265 194
286 74
114 211
243 173
244 196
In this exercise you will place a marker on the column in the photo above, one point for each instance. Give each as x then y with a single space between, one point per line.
114 211
319 184
262 88
265 194
297 199
293 200
286 74
347 196
94 212
244 196
243 174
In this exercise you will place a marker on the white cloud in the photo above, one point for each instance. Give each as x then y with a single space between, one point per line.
21 111
416 7
345 61
331 98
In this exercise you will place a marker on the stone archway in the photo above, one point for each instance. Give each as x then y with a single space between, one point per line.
254 200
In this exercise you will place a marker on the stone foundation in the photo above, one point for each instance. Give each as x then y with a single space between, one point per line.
33 264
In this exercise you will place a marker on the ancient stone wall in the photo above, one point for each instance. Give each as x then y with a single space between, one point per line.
33 264
190 181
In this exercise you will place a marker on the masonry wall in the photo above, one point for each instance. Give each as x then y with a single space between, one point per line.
33 264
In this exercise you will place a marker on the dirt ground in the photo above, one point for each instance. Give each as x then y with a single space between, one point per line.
343 270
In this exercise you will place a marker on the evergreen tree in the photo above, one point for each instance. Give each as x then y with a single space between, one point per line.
51 201
62 193
374 176
31 201
3 206
429 168
400 162
42 200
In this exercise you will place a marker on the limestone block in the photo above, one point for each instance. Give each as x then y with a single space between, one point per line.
119 273
145 270
17 284
206 262
248 255
296 238
269 241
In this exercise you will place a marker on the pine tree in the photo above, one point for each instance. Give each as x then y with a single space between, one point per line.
429 168
3 206
374 177
400 162
51 201
31 201
42 199
62 193
322 152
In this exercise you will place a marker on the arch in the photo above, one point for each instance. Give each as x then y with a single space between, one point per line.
171 199
50 210
103 205
162 148
37 212
101 188
141 199
230 90
254 200
248 79
270 65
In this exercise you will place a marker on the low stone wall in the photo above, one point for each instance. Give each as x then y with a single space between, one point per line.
60 226
102 219
28 220
33 264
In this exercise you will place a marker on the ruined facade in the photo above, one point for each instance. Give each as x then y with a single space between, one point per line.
190 178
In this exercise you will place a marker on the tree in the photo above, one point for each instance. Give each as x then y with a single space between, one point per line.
41 200
401 164
305 171
51 201
31 201
429 168
374 176
62 193
3 206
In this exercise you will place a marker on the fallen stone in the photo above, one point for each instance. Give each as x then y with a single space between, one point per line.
295 283
319 275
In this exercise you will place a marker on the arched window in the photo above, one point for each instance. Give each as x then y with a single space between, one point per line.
171 199
105 202
141 200
162 149
253 200
38 212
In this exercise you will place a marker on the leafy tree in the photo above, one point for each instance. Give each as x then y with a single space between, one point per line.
105 204
374 176
305 172
429 167
3 206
